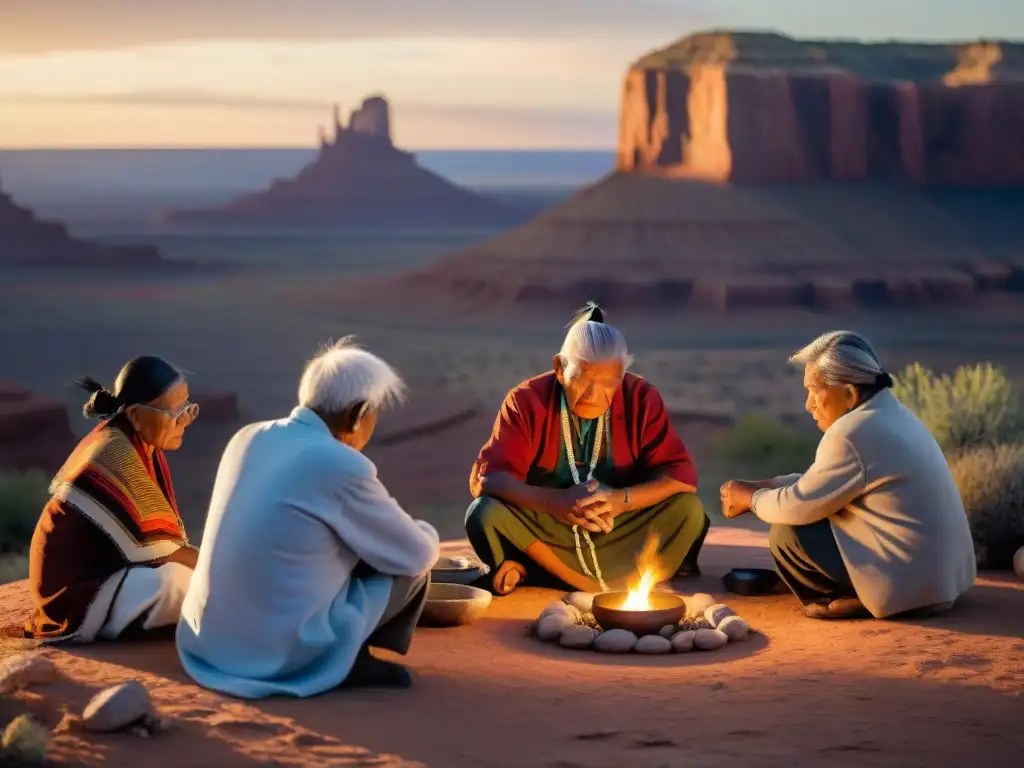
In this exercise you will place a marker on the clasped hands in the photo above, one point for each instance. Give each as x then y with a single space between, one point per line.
590 505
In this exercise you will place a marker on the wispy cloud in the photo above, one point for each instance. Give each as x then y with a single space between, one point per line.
292 122
169 98
39 26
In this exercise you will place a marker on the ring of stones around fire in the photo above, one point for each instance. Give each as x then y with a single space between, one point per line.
707 626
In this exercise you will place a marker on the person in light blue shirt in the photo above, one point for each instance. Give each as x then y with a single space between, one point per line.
307 560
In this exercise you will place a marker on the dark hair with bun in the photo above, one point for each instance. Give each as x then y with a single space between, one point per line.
141 380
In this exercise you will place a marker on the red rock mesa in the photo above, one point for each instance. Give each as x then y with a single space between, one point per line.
759 171
359 179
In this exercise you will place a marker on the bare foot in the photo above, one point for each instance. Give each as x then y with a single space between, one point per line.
843 608
508 576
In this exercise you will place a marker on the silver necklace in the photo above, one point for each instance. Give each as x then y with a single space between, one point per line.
571 456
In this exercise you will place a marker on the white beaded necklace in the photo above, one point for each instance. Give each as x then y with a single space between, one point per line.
571 456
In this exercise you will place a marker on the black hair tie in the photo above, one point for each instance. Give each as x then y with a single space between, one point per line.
883 380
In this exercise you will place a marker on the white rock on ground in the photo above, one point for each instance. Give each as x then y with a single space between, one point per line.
117 708
581 601
710 639
700 602
577 636
550 627
24 671
615 641
715 613
557 607
734 627
1018 563
653 644
682 642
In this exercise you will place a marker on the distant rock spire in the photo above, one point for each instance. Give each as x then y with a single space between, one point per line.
337 121
322 136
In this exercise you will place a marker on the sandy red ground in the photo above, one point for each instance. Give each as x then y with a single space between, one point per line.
940 692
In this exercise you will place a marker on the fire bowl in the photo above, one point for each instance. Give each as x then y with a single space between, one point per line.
666 609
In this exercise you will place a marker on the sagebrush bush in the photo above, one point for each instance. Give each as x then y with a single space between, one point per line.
22 497
975 406
991 483
764 447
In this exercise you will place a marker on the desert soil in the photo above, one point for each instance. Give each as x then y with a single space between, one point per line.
938 692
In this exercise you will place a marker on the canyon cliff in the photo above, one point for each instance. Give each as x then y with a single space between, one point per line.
756 171
359 179
761 107
29 241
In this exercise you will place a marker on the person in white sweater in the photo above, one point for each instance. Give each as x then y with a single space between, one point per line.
875 526
307 561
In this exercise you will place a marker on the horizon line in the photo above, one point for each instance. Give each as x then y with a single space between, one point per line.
282 147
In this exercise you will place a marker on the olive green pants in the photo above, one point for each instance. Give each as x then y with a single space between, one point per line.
500 531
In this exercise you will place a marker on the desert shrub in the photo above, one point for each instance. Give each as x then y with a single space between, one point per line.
764 447
977 405
991 483
22 497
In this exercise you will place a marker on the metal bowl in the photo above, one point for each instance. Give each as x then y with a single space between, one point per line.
666 609
458 570
449 605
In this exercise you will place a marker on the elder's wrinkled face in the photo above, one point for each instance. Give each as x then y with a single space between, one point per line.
162 422
589 387
827 402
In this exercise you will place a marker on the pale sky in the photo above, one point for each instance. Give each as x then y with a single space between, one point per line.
459 73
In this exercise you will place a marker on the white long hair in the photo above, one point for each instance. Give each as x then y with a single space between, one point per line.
591 340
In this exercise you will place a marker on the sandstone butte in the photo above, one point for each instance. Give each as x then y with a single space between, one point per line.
26 240
757 171
358 179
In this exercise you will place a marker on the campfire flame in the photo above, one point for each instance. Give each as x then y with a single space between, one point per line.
649 573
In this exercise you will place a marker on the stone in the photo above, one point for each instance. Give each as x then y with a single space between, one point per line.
550 627
615 641
715 613
668 630
559 608
358 179
682 642
709 639
734 627
1018 563
118 708
577 636
699 603
24 671
694 108
25 741
653 644
28 241
581 601
556 607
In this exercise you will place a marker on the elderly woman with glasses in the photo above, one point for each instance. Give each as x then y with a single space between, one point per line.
110 557
875 526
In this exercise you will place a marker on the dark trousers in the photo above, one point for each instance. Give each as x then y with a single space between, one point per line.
405 604
808 560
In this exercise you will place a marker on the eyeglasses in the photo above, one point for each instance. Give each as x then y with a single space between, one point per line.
185 413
